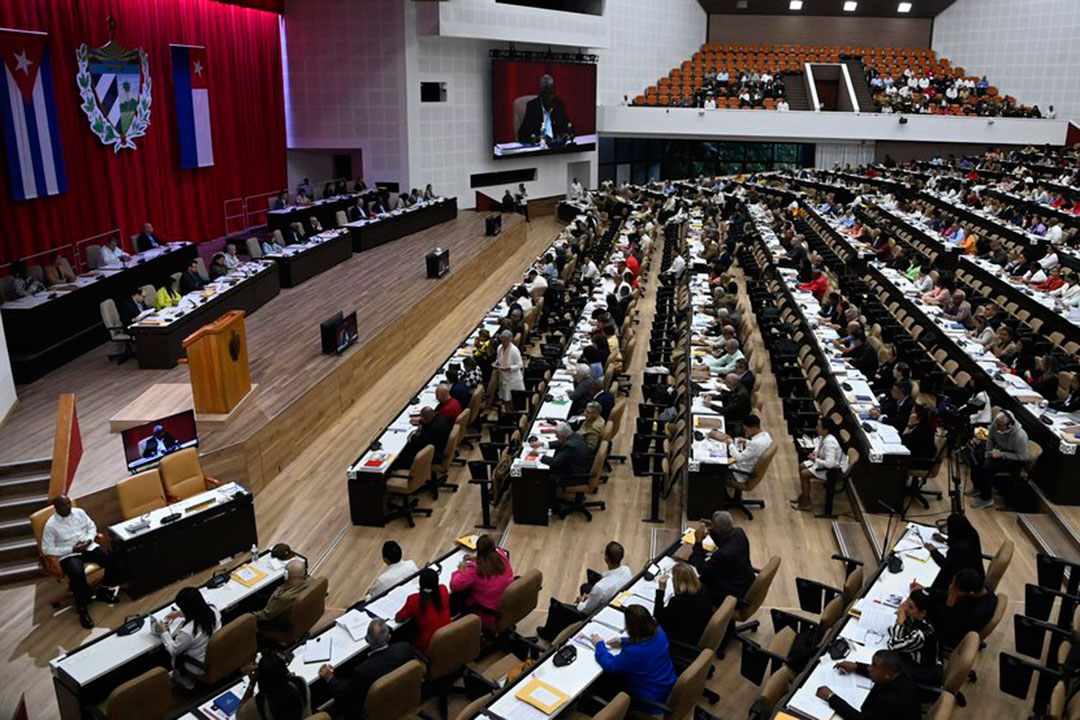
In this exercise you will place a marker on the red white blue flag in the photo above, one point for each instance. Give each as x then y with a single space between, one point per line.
192 106
32 151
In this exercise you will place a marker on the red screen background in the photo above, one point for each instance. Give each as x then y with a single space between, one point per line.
575 85
181 426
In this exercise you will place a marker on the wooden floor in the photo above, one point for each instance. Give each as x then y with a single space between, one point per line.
283 335
306 507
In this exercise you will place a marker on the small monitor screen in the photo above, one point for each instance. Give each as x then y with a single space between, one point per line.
543 107
145 445
346 332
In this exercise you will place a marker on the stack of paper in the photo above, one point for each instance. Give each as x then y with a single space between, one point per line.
355 623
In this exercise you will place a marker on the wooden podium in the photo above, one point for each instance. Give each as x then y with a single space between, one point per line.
218 363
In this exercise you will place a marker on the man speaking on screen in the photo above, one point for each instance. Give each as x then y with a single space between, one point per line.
545 117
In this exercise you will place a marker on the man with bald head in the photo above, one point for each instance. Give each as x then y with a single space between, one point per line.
68 542
727 569
275 616
449 406
545 117
350 689
432 429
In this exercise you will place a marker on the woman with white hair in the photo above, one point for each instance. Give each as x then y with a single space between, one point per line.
1006 451
508 363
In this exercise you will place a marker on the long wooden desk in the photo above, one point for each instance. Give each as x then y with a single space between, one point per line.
85 676
46 330
367 475
323 210
862 628
301 261
154 551
347 637
373 232
159 337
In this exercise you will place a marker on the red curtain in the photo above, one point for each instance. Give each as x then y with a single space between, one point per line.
109 190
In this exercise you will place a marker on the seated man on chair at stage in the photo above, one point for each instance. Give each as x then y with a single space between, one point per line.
69 539
727 569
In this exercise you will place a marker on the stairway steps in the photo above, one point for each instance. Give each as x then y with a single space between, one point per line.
19 571
863 94
852 542
18 549
40 466
33 484
795 91
15 528
21 506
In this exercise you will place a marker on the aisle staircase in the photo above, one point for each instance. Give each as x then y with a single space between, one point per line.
795 90
1050 531
24 489
863 95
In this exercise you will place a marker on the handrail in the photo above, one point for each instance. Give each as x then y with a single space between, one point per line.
50 251
84 241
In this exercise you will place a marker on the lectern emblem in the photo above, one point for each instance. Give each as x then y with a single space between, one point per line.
234 346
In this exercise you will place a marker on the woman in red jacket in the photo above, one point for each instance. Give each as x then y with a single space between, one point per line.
430 608
819 285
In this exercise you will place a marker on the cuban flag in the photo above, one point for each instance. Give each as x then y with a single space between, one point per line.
35 160
192 106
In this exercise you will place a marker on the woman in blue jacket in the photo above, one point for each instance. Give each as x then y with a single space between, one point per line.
644 658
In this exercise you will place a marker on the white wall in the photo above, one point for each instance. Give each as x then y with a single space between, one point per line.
345 84
825 126
450 141
1028 49
7 381
648 39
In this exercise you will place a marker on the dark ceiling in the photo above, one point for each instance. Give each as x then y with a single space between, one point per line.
866 8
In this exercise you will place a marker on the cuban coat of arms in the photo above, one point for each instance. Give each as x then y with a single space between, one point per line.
115 87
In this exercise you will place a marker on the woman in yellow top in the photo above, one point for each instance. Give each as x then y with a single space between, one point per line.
969 243
168 295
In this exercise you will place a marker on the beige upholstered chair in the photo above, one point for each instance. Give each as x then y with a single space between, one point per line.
146 697
404 485
141 493
182 475
306 610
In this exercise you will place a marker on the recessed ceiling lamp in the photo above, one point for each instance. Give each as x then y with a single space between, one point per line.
850 6
904 7
795 5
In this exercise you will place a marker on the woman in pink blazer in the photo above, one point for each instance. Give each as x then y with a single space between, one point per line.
484 578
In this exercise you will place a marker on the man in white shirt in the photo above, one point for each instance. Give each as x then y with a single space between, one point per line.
231 260
710 102
746 455
536 283
1053 232
591 272
396 569
782 105
725 363
597 591
68 540
112 255
677 266
576 190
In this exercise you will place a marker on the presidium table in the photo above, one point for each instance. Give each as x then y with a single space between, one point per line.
159 336
48 329
301 261
373 232
154 550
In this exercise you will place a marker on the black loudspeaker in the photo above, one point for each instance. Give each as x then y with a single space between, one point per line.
493 225
438 262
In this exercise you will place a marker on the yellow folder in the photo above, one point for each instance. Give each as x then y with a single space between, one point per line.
545 698
248 575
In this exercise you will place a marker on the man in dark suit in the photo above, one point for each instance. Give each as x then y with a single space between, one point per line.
159 443
569 462
727 569
191 280
350 690
545 117
746 377
894 695
432 428
607 402
863 356
147 240
133 306
736 404
585 387
896 409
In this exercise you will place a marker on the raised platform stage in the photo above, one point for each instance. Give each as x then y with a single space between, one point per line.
300 391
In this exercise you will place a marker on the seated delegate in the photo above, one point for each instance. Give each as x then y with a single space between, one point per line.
280 694
186 633
429 607
396 569
894 694
280 603
350 690
688 611
727 569
483 578
644 659
68 541
598 590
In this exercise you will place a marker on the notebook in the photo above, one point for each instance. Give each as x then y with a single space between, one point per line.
317 650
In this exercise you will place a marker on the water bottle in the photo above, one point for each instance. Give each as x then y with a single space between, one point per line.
254 552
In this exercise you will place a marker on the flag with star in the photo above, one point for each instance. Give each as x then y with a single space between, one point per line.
192 106
33 155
